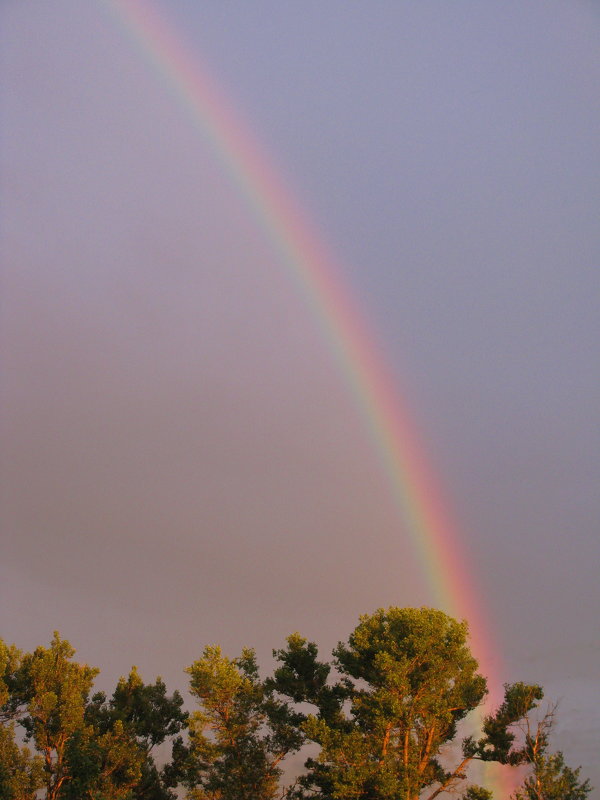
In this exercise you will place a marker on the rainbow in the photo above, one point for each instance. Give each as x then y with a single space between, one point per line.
319 279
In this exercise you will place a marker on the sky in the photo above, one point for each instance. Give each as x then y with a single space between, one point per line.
183 460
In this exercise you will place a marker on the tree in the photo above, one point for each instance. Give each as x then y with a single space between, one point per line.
21 774
102 766
407 679
54 691
241 733
150 716
10 660
93 749
550 778
387 715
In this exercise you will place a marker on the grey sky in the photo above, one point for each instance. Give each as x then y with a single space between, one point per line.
181 460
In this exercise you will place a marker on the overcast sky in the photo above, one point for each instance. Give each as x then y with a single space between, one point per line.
182 460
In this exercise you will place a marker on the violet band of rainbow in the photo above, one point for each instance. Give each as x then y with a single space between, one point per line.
315 272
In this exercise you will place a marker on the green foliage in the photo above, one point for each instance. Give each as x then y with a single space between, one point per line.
104 766
10 659
241 733
549 777
477 793
383 719
497 743
54 691
21 774
407 678
150 716
94 749
552 779
304 679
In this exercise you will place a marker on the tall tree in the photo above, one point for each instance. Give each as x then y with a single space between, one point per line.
241 733
406 680
54 691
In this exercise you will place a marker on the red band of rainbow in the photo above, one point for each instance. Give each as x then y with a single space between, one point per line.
329 297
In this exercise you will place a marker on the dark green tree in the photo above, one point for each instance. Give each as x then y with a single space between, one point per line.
102 766
150 716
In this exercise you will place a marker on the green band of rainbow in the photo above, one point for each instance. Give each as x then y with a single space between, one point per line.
329 297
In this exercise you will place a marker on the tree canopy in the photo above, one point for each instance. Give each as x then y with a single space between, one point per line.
405 680
386 718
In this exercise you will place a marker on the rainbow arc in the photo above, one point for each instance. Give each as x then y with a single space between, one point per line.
319 278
